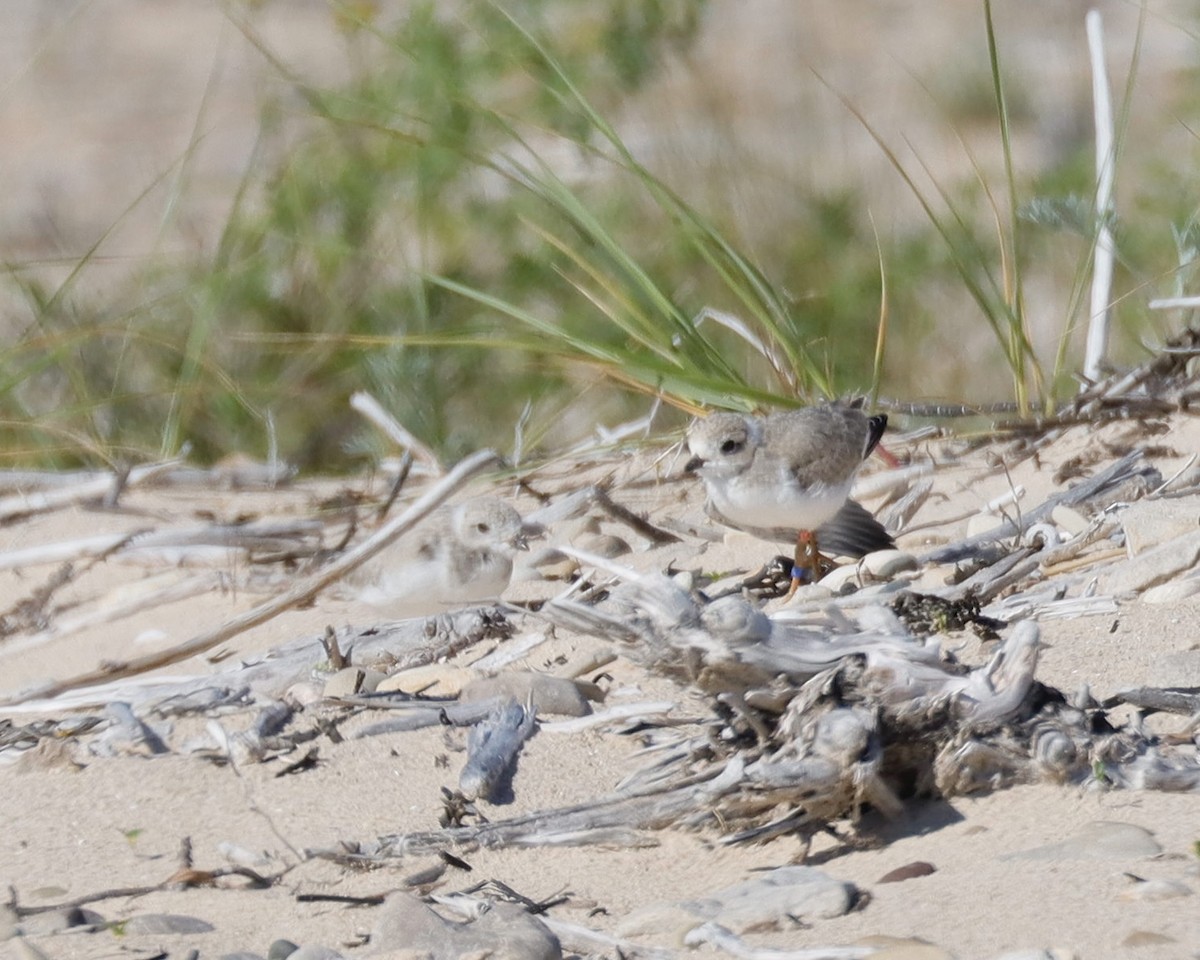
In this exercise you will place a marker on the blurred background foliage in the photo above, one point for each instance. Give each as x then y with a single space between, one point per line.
457 229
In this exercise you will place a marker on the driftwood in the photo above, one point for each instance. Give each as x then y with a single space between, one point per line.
492 749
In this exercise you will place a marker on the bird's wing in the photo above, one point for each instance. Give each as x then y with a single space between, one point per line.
854 532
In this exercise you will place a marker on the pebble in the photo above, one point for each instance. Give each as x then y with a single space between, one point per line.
885 564
553 564
901 948
433 679
605 545
314 951
281 949
1148 523
156 924
504 932
350 681
1155 566
1099 840
548 694
303 694
1173 591
837 578
774 900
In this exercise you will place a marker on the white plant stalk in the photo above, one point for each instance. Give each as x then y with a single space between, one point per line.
1102 266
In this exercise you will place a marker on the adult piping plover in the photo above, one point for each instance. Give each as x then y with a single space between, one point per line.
460 555
787 477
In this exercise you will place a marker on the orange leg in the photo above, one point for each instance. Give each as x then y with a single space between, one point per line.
808 564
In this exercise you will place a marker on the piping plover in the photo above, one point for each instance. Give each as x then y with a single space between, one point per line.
462 554
787 477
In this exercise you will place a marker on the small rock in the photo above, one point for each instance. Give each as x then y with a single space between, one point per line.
553 564
1156 890
1148 523
1099 840
771 901
685 580
281 949
345 683
1155 566
1174 591
901 948
547 694
156 924
886 564
433 679
605 545
504 932
303 694
667 921
910 871
314 951
836 579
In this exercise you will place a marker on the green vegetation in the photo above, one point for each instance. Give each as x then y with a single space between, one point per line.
462 232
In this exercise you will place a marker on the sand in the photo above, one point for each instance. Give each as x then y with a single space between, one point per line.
71 830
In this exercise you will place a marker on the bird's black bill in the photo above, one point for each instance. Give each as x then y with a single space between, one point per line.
693 465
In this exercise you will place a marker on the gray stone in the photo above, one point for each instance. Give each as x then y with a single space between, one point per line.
911 949
772 901
1153 567
1099 840
161 923
504 932
885 564
547 694
1173 591
281 949
241 955
605 545
314 951
1149 523
345 683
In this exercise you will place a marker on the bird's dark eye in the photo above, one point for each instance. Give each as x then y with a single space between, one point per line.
482 527
731 446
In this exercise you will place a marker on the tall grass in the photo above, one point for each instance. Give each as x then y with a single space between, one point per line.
462 231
